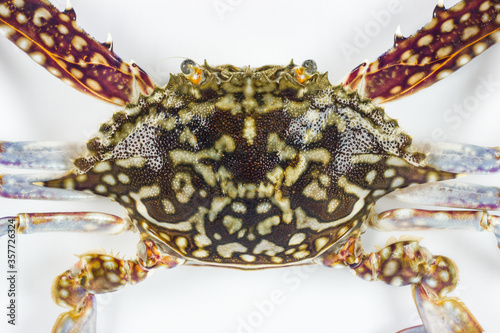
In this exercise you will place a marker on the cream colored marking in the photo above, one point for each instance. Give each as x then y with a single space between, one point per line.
284 205
406 55
6 30
275 144
100 167
485 18
248 257
431 24
23 43
239 207
218 204
397 281
41 16
131 162
447 26
396 161
464 59
62 29
389 173
444 73
18 3
147 192
390 268
426 40
263 208
217 236
397 182
292 174
470 32
224 144
265 227
168 207
123 178
54 71
277 260
314 191
325 180
484 6
21 18
81 178
188 137
480 47
370 176
69 184
201 253
232 224
48 40
365 158
415 78
320 243
99 59
432 177
109 179
249 130
181 243
79 43
76 73
63 293
444 51
227 250
465 17
202 240
4 10
395 90
378 193
297 239
125 198
301 254
92 84
333 205
101 188
269 248
414 59
183 187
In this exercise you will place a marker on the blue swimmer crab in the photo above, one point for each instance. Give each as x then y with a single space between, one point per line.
245 314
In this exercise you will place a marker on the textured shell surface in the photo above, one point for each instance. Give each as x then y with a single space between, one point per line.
338 36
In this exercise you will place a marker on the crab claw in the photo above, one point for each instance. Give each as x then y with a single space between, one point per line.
442 315
80 320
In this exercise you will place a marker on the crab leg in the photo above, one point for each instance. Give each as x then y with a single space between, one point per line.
97 273
452 194
39 155
452 38
460 158
23 186
55 41
431 277
419 219
28 223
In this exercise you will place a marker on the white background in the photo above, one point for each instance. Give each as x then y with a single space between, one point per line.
36 106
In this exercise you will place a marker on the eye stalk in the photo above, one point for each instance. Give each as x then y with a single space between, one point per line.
306 70
192 71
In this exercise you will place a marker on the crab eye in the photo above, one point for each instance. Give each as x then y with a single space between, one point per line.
187 66
310 66
192 71
305 71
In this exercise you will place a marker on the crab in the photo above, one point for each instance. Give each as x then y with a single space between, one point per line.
178 283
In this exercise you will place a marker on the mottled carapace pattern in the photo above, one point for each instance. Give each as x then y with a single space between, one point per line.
55 41
249 167
453 38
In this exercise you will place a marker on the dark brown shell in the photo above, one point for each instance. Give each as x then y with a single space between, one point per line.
250 167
